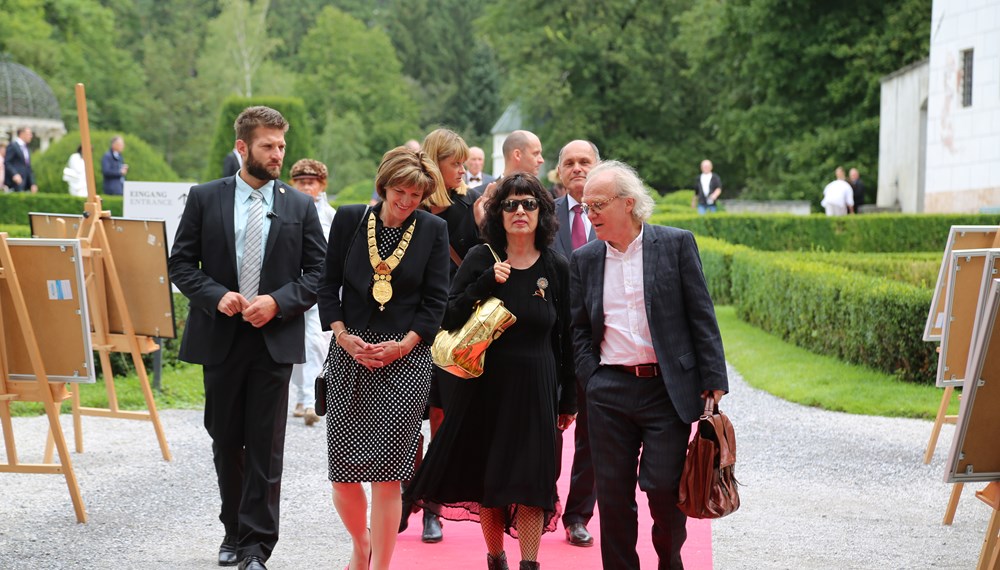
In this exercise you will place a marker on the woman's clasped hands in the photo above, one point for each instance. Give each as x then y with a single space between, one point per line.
371 356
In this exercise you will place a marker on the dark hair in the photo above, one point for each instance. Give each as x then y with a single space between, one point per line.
523 184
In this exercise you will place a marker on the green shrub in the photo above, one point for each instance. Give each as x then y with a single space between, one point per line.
865 233
359 192
832 310
716 260
14 207
16 230
919 269
298 138
144 162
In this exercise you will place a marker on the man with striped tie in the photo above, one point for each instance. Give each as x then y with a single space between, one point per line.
248 254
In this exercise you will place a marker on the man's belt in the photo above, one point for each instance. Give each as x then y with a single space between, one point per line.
639 370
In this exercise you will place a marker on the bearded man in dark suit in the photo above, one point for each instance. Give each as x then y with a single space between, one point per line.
248 254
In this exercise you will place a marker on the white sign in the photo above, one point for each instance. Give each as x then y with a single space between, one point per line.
156 201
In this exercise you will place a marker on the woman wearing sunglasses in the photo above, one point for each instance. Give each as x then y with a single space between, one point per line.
493 460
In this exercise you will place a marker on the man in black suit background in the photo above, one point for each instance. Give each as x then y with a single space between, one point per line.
648 349
576 159
232 163
113 168
248 254
18 175
707 188
474 175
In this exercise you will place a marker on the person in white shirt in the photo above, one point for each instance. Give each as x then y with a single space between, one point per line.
309 177
75 174
838 196
707 189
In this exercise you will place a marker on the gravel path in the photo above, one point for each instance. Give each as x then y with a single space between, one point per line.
821 490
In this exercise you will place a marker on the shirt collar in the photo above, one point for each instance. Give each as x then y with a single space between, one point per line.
243 191
632 249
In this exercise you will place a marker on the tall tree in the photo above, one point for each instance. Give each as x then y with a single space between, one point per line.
238 45
454 70
604 71
350 74
796 83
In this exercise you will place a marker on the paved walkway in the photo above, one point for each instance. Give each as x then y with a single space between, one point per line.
821 490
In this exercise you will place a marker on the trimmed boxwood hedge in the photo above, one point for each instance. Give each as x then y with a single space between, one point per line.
831 310
14 207
866 233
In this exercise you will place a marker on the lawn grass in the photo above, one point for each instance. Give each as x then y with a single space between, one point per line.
182 388
797 375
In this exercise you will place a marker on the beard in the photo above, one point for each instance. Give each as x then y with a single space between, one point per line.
258 169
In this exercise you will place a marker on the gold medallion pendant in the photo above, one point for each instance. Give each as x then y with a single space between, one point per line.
381 280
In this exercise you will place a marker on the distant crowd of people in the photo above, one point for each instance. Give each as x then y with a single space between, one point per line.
615 333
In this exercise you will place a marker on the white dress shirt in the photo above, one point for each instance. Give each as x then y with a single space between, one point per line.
627 340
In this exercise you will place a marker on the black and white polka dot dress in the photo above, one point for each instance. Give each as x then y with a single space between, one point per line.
373 416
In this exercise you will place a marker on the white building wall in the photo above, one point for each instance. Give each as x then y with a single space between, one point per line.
963 143
902 127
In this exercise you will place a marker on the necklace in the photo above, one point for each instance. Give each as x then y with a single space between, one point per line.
381 285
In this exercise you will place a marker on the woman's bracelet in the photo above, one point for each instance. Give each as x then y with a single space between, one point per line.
336 337
399 347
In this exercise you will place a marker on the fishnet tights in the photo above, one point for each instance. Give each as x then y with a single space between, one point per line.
530 521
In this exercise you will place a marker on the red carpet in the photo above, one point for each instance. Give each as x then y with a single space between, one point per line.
463 547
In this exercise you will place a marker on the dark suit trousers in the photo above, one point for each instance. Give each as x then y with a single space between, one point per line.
582 487
629 415
246 401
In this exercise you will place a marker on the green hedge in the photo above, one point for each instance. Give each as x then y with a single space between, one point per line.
716 260
14 207
919 268
298 138
16 230
830 310
864 233
144 162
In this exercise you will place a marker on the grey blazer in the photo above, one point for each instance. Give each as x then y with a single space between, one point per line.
679 309
564 241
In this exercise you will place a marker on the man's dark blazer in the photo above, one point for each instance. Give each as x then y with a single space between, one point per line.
203 266
111 169
17 163
419 282
714 184
679 310
230 165
564 239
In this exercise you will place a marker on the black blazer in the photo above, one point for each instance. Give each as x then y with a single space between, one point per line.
564 240
203 266
475 281
419 282
16 163
230 165
461 220
713 184
679 309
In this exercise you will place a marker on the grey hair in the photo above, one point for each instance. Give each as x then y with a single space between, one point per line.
628 185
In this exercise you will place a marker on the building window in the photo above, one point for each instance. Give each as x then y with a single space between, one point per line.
967 78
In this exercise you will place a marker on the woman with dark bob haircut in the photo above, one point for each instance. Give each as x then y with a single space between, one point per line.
493 461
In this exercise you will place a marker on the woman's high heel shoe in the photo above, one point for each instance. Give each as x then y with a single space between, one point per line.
498 562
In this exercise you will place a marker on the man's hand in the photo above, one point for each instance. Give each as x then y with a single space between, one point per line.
17 179
232 303
262 309
717 394
564 421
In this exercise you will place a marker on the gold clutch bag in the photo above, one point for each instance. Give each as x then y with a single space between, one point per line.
462 351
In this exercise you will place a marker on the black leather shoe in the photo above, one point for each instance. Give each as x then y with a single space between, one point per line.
578 535
252 563
227 552
432 528
404 520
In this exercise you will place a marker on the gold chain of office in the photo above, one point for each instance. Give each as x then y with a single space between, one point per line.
382 286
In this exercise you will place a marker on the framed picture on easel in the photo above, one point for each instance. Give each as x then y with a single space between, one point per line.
959 237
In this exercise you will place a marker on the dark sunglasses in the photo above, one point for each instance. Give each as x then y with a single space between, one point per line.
510 206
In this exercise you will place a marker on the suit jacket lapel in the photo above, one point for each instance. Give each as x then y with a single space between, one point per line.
595 285
650 256
562 213
227 207
278 207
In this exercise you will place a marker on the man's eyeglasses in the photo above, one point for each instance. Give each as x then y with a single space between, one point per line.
510 206
596 207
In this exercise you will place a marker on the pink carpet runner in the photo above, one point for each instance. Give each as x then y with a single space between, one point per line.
463 547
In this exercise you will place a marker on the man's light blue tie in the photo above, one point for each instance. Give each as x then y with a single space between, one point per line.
252 250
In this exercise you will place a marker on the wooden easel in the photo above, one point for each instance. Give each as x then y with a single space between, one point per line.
940 419
39 390
104 287
989 556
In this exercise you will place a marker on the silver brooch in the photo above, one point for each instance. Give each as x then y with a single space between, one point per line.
543 284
